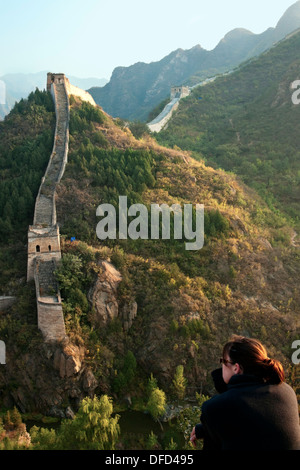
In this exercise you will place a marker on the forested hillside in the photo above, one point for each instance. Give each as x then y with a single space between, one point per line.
26 141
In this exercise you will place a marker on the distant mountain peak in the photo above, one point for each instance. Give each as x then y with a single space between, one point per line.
197 47
237 32
290 20
234 36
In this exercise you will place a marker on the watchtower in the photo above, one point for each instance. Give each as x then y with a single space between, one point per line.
179 92
54 78
44 244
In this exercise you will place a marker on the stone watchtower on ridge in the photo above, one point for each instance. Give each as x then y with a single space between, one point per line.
43 244
179 92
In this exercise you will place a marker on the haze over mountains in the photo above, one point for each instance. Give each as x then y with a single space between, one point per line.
19 85
134 91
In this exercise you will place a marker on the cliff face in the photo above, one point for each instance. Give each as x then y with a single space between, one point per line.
134 91
103 297
44 376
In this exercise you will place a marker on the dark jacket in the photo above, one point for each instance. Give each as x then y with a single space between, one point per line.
250 415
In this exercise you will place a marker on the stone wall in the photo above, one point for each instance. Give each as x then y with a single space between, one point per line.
49 306
84 95
177 92
51 320
6 301
43 235
43 242
45 211
70 89
162 119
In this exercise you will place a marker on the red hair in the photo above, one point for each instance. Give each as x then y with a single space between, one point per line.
252 356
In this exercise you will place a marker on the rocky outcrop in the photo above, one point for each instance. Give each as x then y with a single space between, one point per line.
68 360
103 294
104 300
51 379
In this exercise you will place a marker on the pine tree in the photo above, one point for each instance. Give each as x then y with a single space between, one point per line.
16 418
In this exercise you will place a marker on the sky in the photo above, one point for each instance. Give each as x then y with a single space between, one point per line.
90 38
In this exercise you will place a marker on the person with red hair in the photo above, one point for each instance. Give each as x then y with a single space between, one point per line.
255 408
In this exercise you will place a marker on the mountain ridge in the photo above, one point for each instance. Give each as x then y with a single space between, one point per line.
134 91
246 122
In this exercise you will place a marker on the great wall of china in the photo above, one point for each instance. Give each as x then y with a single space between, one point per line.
177 93
43 236
161 120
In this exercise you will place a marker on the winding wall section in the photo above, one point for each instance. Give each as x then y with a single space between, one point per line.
43 235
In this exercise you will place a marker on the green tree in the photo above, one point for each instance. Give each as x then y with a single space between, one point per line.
187 419
139 129
126 373
68 272
179 383
16 418
8 424
93 427
129 366
172 445
43 438
152 441
151 385
157 403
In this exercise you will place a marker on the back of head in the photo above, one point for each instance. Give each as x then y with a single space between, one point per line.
252 356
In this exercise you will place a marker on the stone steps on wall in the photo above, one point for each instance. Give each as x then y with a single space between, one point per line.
44 211
51 321
48 285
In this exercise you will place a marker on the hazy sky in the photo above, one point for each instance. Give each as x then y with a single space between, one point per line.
89 38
